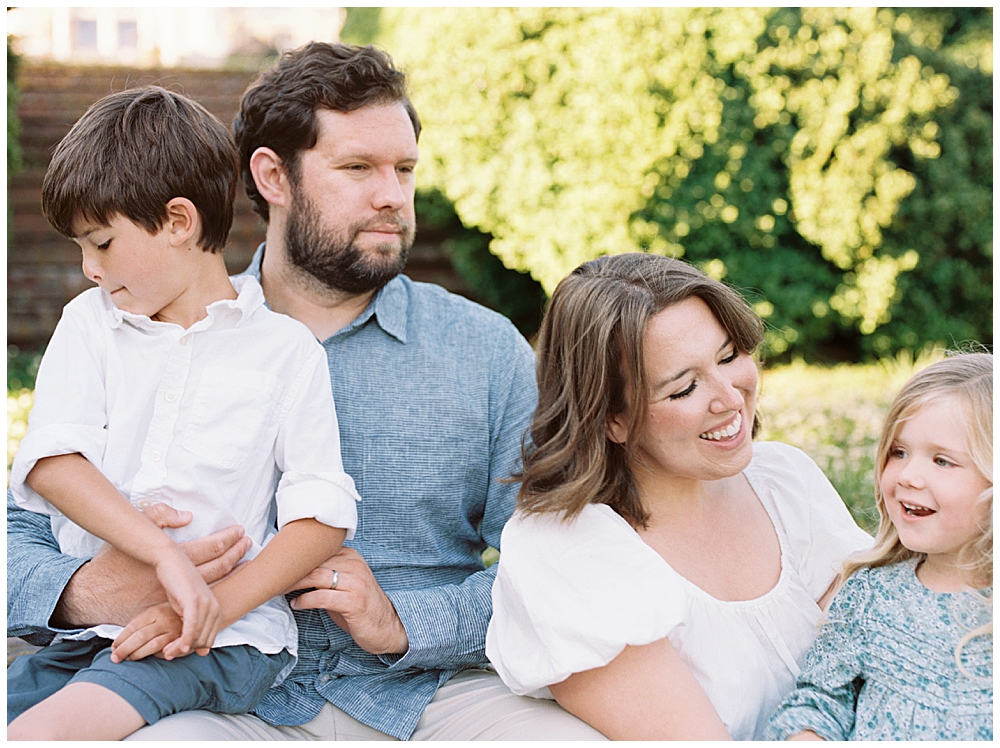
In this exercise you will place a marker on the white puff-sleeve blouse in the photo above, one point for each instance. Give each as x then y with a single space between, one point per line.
569 596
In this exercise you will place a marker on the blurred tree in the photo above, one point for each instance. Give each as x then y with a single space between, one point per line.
514 294
361 26
818 159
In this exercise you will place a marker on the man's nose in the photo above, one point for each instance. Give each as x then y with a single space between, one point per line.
390 193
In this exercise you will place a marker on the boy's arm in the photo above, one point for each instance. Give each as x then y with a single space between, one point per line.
48 591
81 492
297 549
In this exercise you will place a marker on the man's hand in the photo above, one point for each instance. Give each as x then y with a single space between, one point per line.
358 604
114 588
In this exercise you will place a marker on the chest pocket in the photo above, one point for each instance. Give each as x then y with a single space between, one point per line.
231 413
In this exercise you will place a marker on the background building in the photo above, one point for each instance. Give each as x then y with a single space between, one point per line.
168 37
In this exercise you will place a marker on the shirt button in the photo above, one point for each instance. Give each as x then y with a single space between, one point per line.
145 504
156 456
324 678
184 340
170 397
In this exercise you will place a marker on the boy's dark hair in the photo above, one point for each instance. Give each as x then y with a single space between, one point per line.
133 152
279 108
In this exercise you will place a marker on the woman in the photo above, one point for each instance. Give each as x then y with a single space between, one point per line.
663 576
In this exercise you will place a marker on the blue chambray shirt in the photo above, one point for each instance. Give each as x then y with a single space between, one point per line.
433 395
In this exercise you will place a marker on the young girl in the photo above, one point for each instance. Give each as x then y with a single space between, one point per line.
906 650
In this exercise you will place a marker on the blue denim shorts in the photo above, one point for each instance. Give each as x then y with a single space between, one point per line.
229 680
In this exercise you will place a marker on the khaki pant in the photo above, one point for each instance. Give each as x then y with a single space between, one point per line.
474 705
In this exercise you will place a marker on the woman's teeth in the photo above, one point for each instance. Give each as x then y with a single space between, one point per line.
730 430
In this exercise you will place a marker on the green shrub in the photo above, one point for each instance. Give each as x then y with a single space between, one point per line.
833 163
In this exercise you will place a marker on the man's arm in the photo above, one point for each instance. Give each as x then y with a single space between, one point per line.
37 574
446 626
439 627
48 591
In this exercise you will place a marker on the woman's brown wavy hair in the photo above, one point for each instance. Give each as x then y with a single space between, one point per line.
590 360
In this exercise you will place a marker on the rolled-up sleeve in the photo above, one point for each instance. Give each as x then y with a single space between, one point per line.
313 484
37 574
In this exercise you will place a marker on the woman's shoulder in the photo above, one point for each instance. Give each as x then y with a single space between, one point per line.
541 531
818 529
778 458
570 595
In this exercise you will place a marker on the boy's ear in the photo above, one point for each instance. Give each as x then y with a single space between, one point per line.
269 175
616 428
183 221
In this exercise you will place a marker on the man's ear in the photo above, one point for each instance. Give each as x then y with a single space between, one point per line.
616 428
183 221
269 175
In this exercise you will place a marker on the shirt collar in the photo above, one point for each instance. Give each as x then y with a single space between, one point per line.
228 312
389 307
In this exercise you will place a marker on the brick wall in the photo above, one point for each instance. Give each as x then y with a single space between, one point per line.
43 268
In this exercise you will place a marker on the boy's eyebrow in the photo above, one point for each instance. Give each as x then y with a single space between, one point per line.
88 230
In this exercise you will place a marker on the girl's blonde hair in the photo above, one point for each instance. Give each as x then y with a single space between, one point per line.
969 378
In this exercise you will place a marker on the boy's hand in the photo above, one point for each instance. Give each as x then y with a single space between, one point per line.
147 634
192 600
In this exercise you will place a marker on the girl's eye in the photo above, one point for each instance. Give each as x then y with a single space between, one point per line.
731 357
897 453
684 393
943 462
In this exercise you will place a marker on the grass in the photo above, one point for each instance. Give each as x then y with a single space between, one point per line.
834 414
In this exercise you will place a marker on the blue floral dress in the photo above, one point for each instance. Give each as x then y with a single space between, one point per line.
883 666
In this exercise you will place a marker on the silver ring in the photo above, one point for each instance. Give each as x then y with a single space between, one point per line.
336 578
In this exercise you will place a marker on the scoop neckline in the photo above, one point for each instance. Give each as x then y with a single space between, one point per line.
752 602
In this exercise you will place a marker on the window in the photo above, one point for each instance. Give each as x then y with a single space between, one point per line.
128 35
84 34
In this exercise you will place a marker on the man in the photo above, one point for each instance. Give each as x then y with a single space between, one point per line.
433 396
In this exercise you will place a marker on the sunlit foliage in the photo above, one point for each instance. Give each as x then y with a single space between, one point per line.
792 152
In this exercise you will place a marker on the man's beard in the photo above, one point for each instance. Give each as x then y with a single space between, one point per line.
335 260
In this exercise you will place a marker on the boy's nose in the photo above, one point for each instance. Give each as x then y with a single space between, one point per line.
91 268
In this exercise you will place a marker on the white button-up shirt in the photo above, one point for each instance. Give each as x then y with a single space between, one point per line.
231 419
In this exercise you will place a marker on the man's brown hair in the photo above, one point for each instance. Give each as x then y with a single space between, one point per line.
133 152
279 108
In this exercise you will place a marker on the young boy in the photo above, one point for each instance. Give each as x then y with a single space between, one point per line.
170 383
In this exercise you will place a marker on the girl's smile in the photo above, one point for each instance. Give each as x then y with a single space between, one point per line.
931 486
